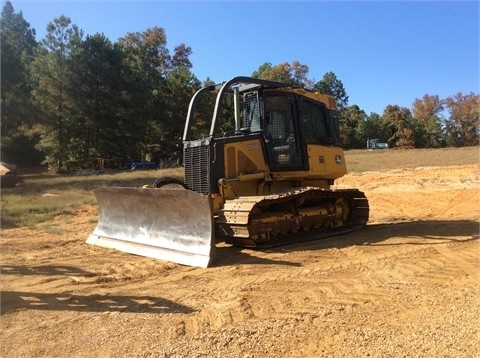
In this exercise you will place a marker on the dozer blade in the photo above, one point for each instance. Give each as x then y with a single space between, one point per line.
172 225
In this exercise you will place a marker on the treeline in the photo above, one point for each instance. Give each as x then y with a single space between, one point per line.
70 99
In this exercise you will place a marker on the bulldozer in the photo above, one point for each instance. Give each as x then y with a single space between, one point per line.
265 182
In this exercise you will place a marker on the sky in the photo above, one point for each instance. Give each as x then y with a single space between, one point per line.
384 52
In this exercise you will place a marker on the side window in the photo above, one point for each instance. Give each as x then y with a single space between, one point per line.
252 112
314 118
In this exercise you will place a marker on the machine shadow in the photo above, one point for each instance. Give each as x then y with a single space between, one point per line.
48 270
11 300
231 255
433 232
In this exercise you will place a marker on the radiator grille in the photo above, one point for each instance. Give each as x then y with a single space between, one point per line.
196 161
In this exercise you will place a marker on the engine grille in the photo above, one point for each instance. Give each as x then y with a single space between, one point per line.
197 161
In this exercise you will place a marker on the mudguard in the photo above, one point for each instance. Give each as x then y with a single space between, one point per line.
166 224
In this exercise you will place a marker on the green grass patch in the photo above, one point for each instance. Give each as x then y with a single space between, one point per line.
32 208
39 197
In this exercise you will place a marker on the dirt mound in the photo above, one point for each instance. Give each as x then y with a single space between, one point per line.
8 178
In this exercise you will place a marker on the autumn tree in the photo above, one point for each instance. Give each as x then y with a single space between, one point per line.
428 122
399 122
294 73
297 74
463 126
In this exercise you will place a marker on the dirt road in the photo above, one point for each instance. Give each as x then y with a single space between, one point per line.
407 285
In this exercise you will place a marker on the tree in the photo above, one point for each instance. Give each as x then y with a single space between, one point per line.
148 58
181 57
181 85
294 73
18 112
148 52
373 127
331 85
350 120
166 84
427 107
463 127
53 88
399 121
427 121
100 98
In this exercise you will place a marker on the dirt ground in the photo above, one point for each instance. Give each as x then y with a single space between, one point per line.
406 285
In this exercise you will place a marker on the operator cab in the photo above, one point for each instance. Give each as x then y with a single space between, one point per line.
288 122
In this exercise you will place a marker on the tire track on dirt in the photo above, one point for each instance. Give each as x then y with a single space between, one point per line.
289 293
468 261
348 279
436 264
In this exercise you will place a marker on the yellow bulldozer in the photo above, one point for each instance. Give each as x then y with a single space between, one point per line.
266 182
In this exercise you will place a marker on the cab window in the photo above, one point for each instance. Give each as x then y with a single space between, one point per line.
314 118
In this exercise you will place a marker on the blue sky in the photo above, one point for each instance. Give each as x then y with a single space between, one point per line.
383 52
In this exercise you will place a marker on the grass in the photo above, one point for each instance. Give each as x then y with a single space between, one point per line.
375 160
39 197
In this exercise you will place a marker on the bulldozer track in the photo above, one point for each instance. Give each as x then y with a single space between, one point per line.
295 216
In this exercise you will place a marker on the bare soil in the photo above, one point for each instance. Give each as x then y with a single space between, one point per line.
406 285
